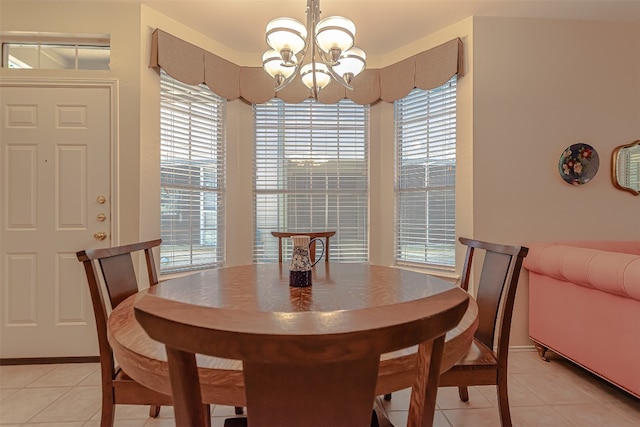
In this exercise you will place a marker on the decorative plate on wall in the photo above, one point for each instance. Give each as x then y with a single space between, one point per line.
578 164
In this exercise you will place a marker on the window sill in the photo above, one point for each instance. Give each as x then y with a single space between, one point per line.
451 276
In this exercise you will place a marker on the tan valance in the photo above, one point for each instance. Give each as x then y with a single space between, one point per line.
193 65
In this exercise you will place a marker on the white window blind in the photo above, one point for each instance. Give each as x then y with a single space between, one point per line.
425 177
192 160
311 174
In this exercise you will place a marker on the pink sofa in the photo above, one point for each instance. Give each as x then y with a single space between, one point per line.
584 304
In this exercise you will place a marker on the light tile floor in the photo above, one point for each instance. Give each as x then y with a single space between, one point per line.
556 394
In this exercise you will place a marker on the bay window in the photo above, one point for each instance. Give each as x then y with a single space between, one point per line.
311 174
192 175
425 129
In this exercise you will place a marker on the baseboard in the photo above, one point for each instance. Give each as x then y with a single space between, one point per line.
521 348
48 360
96 359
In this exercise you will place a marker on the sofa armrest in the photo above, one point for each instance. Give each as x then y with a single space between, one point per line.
613 272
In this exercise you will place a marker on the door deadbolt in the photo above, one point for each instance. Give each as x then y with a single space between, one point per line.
101 200
101 217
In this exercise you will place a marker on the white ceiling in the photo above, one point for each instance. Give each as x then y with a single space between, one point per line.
382 25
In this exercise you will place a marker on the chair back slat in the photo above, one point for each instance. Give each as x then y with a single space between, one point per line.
489 295
326 235
496 288
119 277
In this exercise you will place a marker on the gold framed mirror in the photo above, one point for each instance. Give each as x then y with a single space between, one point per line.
625 167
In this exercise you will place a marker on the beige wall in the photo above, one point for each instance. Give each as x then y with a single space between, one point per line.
540 86
531 88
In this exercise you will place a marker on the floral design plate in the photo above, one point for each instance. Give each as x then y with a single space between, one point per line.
578 164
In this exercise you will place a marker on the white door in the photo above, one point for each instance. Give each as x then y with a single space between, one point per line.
55 143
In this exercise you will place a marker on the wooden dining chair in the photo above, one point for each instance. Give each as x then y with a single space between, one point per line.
486 361
326 235
114 267
310 369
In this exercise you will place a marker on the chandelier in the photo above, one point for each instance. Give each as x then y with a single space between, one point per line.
329 43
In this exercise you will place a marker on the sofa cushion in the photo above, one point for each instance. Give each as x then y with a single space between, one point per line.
624 246
613 272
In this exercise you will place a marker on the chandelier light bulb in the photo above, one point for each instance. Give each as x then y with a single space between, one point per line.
287 36
323 78
273 64
350 64
335 35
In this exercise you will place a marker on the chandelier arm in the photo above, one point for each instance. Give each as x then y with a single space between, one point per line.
313 14
288 80
323 56
314 87
329 65
312 21
295 73
338 78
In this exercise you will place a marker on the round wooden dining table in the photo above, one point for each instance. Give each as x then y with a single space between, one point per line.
265 287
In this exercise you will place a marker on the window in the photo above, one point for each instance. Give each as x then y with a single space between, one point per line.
57 51
311 174
192 174
425 174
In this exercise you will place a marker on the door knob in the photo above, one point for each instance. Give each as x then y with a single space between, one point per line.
101 200
100 235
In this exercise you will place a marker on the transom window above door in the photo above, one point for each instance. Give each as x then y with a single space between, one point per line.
56 51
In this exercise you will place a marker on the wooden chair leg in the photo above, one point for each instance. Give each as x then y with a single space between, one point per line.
108 410
207 414
374 419
235 422
239 410
154 411
503 401
463 392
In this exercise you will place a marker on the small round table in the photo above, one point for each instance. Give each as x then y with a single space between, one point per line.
265 287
